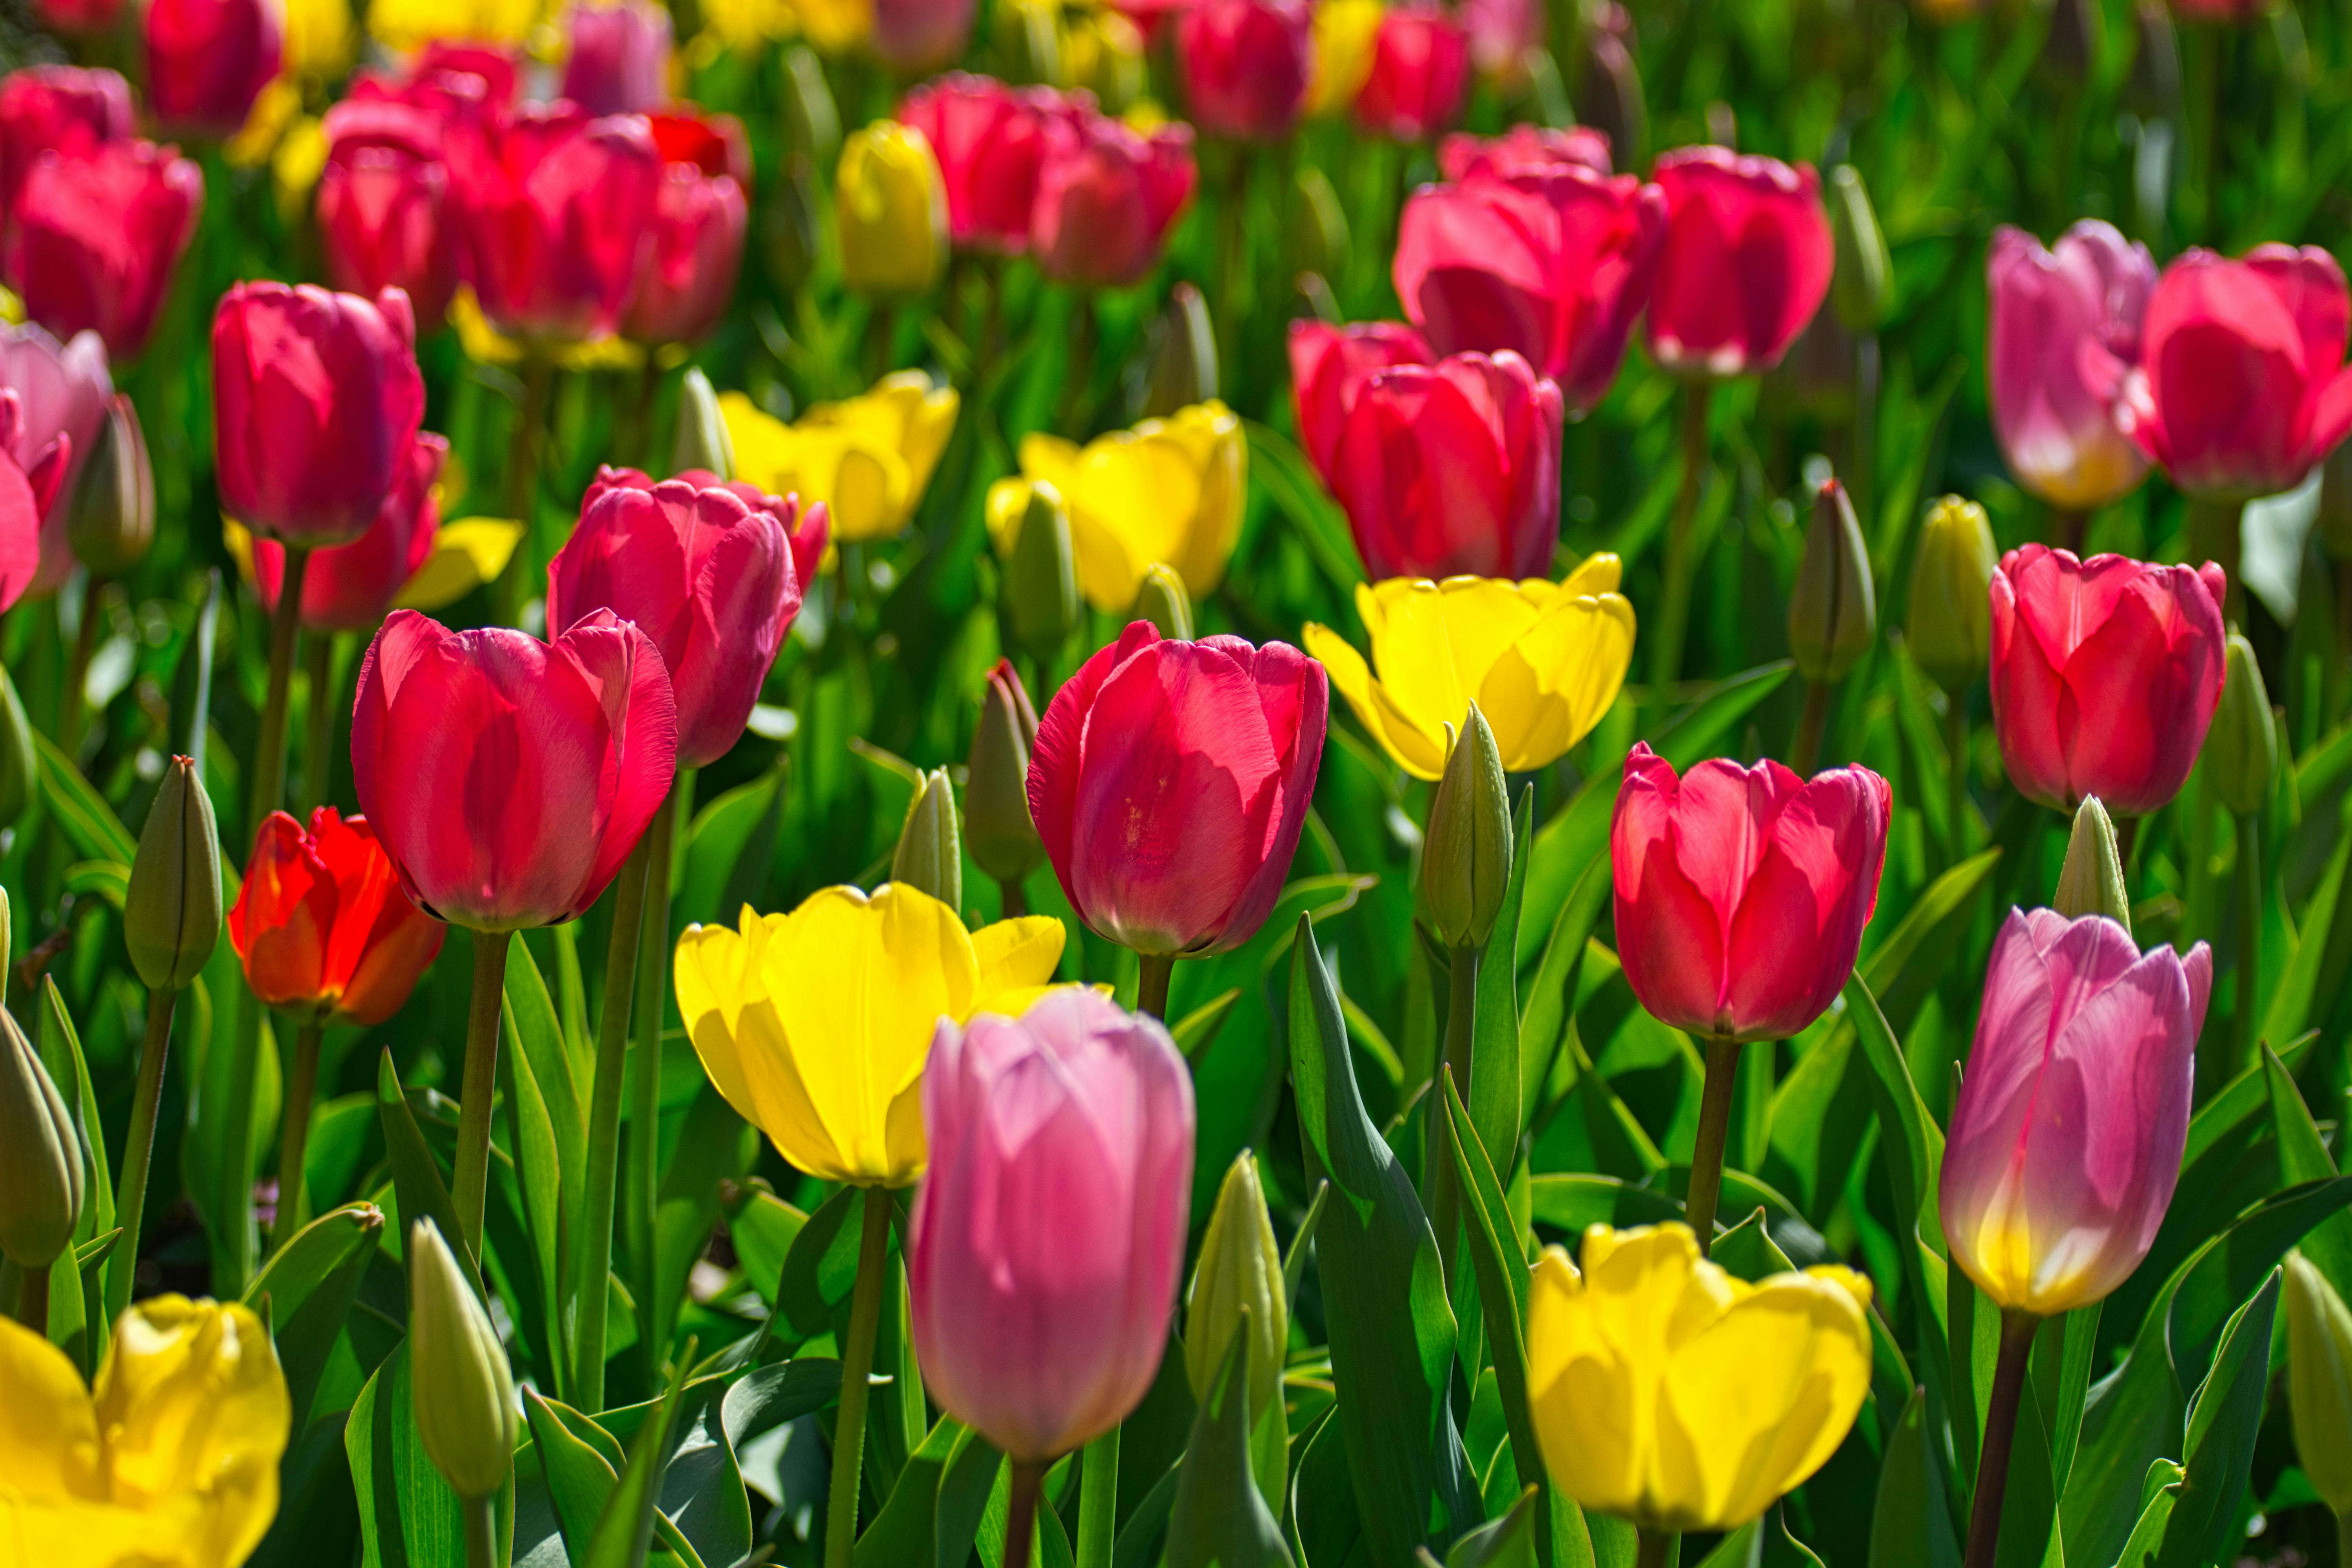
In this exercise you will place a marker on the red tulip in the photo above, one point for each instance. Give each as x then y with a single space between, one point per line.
1501 32
316 404
480 76
709 578
1421 69
1246 63
1328 365
207 60
714 144
1553 264
1169 781
2105 674
1521 149
508 778
348 587
85 17
1742 893
559 219
43 107
1746 261
66 392
321 924
916 36
2241 384
991 141
698 223
2064 332
620 58
1107 197
96 236
384 210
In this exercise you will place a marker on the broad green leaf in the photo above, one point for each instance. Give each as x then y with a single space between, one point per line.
1911 1522
1280 469
2223 1424
1543 1017
2303 1157
1569 1202
409 1518
1219 1518
89 824
2164 1478
625 1531
1508 1541
581 1474
1492 1089
415 1176
531 1135
309 1285
533 1032
762 1228
905 1531
318 1519
767 1397
821 1268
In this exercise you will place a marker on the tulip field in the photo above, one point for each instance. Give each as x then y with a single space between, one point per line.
1175 783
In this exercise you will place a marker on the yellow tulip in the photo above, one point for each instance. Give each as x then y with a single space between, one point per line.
1667 1392
406 24
815 1024
890 209
172 1464
868 458
1542 660
834 26
1343 53
320 39
1168 491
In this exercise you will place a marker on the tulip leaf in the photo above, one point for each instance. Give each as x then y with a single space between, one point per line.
1543 1017
409 1517
1571 1201
719 841
2303 1157
762 1228
2306 989
1284 477
532 1031
625 1531
310 1284
2147 1539
89 824
1913 1143
317 1521
1911 1523
905 1529
539 1188
821 1268
1747 1251
1219 1518
416 1177
581 1477
1494 1087
2224 1420
1508 1541
767 1396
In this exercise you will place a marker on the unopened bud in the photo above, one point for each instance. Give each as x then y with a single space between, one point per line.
930 856
1862 288
112 518
1238 1288
1951 629
19 764
2241 747
787 224
2319 1382
811 123
997 824
1465 855
1320 229
1041 573
458 1372
1834 614
172 910
1028 40
2091 882
1180 362
1163 602
41 1156
702 442
890 212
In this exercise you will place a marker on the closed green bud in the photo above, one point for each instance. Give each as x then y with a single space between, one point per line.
1041 580
2242 748
811 123
18 765
1163 602
172 913
789 237
458 1372
996 821
1834 614
1180 359
1028 40
2319 1382
1951 629
1862 288
2091 882
931 855
113 519
702 443
41 1156
1238 1288
1465 855
1319 231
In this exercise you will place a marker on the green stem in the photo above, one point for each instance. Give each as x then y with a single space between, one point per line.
1012 900
1956 776
2069 527
130 1193
1862 470
70 700
1713 1127
294 1135
856 1366
2216 528
644 1113
1674 620
469 1187
1097 1501
318 720
32 1304
1655 1548
2001 1426
591 1304
1155 970
481 1516
2249 879
522 483
269 743
1021 1522
1805 751
1439 1183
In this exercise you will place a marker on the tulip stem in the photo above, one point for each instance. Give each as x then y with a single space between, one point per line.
70 700
1674 620
1438 1182
481 1531
1012 900
294 1134
1655 1548
269 744
1151 982
522 483
856 1365
2216 533
2250 939
33 1299
1020 1521
1805 752
1956 773
1097 1501
318 718
469 1186
1714 1127
591 1306
644 1114
2000 1426
130 1194
2069 527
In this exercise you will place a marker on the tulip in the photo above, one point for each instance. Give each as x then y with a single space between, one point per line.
1861 284
1833 608
86 19
1543 662
1038 595
316 402
111 520
66 392
991 141
699 216
996 825
1950 628
830 1073
1465 855
458 1379
2065 330
26 496
2091 879
918 36
1553 264
385 217
1170 784
1344 31
1746 261
322 927
1501 33
1168 491
1238 1288
2105 674
1328 365
2241 747
61 107
171 904
1047 1242
2320 1386
1419 71
207 60
1522 149
708 577
96 236
1245 65
1668 1393
559 218
1107 197
349 587
175 1458
867 458
40 1168
890 208
929 853
620 58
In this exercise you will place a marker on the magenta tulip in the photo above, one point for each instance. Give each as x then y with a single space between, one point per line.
66 391
1169 781
1107 197
1501 33
1522 149
2064 333
46 107
1047 1240
1419 71
348 587
917 36
699 217
1328 365
1746 261
2067 1143
991 141
98 234
26 495
559 213
1246 65
620 58
384 218
207 60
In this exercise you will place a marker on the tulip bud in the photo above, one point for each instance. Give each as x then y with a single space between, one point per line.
930 855
2153 90
2319 1382
172 910
1466 857
1041 580
1163 602
2242 748
1951 630
2335 504
457 1372
113 519
41 1156
788 224
1862 287
18 765
2071 45
1318 226
1181 364
1029 42
890 207
1005 842
1607 94
2091 882
1240 1272
1834 614
812 124
702 442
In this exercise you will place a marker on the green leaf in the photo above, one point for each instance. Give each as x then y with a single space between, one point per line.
2303 1157
318 1517
762 1228
905 1531
624 1533
89 824
534 1033
416 1177
1747 1251
2222 1424
1219 1518
766 1397
539 1188
1911 1522
1543 1017
409 1517
821 1268
1569 1202
1914 1144
2147 1539
719 841
1494 1087
1280 470
580 1476
309 1286
1905 966
1505 1542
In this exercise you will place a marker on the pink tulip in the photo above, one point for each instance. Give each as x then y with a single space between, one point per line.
316 404
207 60
1169 781
508 778
45 107
1328 365
922 34
1047 1240
25 494
1246 63
1421 69
806 530
699 216
1501 32
559 219
384 219
1522 149
2067 1143
1552 264
66 392
2105 674
620 58
709 578
2065 331
348 587
1742 893
991 141
1746 261
1107 197
97 236
2241 384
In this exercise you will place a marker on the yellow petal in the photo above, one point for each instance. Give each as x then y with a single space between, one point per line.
722 997
1008 503
482 342
1415 659
49 1429
1547 690
870 493
1419 752
466 554
1049 457
1600 573
1015 957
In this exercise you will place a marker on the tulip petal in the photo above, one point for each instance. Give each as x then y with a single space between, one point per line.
49 1429
1015 955
1798 926
734 1029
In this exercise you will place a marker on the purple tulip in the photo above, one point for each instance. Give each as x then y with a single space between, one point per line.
2065 331
1048 1236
